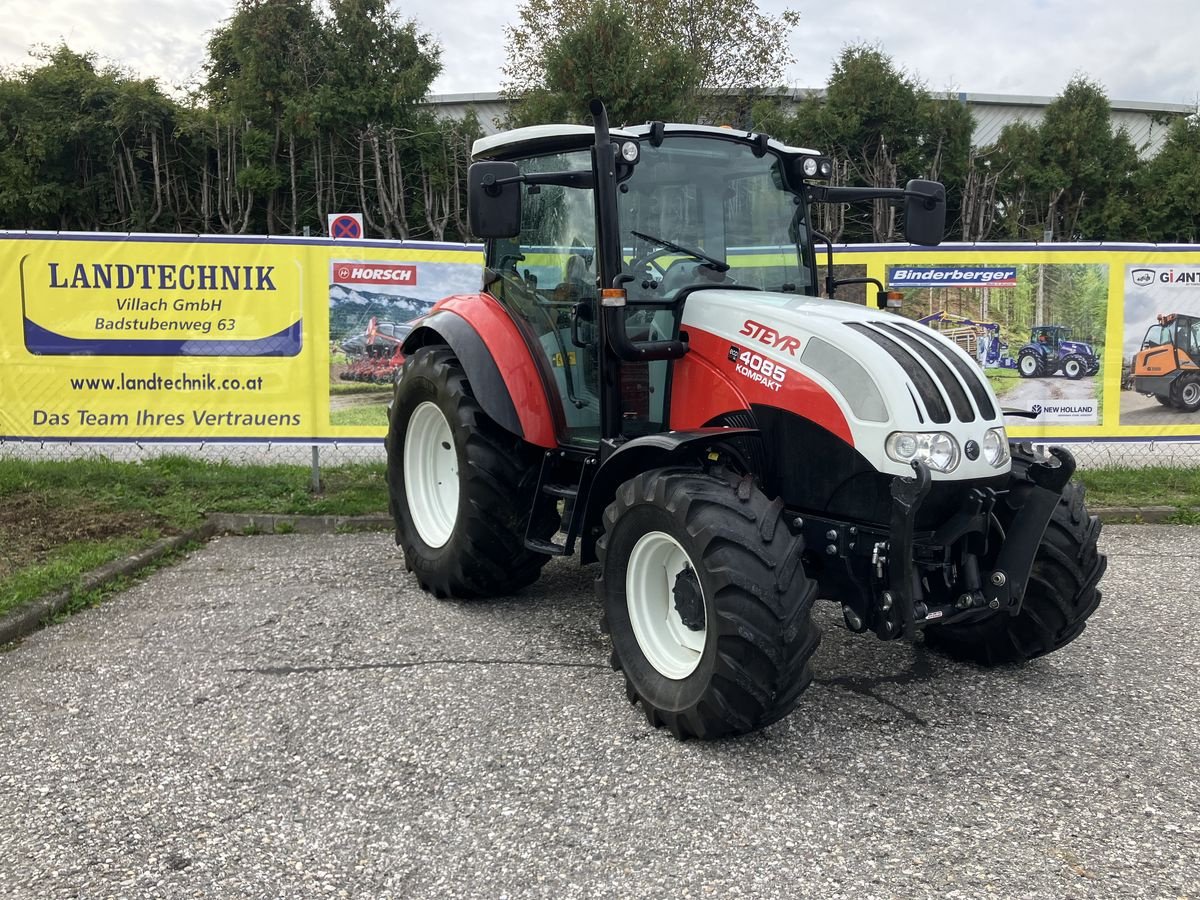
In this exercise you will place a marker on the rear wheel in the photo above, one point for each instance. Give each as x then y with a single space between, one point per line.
460 487
1186 392
1029 365
707 602
1061 595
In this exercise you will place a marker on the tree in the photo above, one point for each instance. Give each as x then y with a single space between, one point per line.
640 79
1071 176
1169 186
882 128
735 48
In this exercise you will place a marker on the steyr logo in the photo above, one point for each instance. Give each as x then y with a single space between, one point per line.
1142 277
765 334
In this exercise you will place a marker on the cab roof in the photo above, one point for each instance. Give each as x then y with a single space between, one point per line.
541 139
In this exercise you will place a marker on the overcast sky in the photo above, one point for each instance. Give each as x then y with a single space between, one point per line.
1138 49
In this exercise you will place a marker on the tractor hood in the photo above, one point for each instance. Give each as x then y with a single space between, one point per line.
885 373
1076 347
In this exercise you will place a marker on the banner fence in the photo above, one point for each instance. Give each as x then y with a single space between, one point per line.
255 349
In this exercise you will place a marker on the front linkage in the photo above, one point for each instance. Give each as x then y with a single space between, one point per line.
976 563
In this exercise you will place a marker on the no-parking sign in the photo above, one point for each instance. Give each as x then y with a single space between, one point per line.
346 226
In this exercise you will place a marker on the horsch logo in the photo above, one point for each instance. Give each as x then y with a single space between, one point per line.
374 273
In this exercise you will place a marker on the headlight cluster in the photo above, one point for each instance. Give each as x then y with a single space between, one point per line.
940 451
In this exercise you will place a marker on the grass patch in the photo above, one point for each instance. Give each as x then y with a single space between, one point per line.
1152 486
360 387
1002 379
367 415
59 520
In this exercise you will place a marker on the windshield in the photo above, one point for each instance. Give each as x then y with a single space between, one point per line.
713 197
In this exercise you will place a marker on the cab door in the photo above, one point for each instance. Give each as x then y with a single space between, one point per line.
546 278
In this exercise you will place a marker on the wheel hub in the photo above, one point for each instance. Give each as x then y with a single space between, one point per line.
665 601
689 601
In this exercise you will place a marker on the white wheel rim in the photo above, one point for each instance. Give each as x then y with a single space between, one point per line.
1072 368
431 474
670 646
1028 365
1190 393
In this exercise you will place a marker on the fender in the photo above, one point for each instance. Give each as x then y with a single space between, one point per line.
651 451
503 375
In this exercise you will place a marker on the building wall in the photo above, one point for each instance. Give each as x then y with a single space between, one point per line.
1146 123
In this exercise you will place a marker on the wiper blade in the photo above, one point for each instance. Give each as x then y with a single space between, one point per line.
719 264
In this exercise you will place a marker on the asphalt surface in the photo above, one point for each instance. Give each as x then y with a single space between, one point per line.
1138 409
289 716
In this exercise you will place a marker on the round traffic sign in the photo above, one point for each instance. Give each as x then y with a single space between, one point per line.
345 227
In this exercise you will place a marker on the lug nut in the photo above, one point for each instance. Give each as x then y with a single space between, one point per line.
964 601
831 549
831 534
999 579
994 604
886 601
797 522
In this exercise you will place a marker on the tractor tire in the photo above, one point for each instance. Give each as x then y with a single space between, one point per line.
1029 364
1074 367
1059 598
1092 368
460 487
1164 401
1185 392
707 602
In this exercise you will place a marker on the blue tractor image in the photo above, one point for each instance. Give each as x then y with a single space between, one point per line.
1050 350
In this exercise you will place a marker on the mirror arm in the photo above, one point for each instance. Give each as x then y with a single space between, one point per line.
831 283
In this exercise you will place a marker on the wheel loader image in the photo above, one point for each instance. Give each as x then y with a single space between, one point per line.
1050 350
649 379
1168 365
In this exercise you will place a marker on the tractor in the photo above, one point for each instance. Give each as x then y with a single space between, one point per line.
1168 365
650 378
1051 350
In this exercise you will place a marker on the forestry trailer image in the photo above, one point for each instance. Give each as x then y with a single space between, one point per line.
650 379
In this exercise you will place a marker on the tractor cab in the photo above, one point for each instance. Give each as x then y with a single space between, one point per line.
1050 336
597 237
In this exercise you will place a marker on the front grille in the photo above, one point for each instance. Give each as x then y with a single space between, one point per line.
919 353
927 389
958 396
969 373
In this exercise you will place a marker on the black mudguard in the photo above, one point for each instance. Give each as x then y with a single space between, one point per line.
652 451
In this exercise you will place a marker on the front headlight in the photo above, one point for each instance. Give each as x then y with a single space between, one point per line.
936 449
995 447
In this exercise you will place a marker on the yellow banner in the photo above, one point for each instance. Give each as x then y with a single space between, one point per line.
161 338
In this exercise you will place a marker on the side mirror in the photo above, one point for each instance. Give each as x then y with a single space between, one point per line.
493 207
924 212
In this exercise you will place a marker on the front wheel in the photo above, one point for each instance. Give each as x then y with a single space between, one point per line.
1186 392
1074 367
460 487
706 601
1061 595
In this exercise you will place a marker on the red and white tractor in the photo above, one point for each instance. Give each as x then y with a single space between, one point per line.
648 378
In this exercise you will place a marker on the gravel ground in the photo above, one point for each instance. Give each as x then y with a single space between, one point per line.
288 716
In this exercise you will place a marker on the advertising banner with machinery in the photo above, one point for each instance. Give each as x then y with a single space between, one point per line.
177 338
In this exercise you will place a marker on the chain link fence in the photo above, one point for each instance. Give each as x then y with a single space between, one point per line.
1089 454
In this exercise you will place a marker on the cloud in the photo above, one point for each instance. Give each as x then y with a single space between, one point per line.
1034 47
